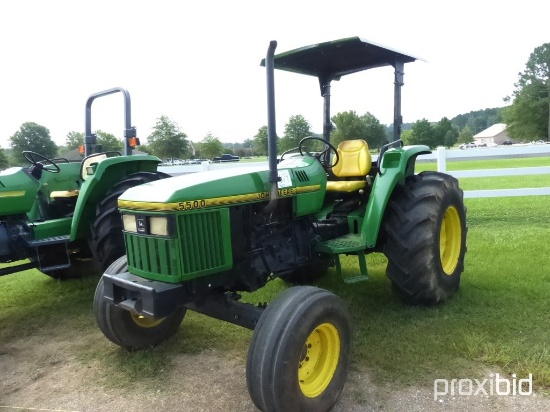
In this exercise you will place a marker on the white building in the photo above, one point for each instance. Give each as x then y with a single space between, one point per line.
496 134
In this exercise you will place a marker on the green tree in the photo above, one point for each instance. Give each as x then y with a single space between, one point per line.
210 146
406 136
348 126
145 148
4 162
74 140
528 117
167 140
466 135
259 143
34 137
478 120
375 131
295 130
445 134
108 142
423 133
247 147
351 126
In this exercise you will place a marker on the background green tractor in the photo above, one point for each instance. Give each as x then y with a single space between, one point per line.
195 242
56 213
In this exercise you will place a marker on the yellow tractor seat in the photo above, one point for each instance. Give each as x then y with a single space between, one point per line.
354 164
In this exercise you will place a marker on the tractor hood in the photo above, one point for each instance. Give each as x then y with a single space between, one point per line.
297 177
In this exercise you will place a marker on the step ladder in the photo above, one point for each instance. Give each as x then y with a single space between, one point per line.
47 242
348 244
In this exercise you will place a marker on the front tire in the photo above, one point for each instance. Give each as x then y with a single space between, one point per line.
425 228
129 330
299 355
107 240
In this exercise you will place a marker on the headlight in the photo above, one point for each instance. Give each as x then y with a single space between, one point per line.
129 223
158 226
147 225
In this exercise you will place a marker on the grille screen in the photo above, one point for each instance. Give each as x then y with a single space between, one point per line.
202 240
202 246
152 254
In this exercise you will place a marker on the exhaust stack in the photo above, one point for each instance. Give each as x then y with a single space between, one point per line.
271 129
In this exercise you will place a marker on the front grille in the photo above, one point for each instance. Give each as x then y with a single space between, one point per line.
154 255
202 240
202 246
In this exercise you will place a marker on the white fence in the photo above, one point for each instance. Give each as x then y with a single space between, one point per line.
441 155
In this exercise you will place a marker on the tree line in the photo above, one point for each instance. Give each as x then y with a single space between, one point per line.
168 141
527 117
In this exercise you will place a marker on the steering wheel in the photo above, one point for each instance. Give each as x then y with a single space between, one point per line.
319 156
35 158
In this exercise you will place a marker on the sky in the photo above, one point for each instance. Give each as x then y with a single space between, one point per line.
198 62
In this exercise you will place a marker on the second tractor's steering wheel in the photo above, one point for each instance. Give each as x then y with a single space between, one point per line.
35 158
320 156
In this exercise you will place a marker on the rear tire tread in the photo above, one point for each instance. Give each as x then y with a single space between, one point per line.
411 228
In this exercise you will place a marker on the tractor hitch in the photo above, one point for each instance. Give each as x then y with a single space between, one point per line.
158 299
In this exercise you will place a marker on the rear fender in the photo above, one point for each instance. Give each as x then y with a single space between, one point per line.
68 178
102 176
396 165
17 191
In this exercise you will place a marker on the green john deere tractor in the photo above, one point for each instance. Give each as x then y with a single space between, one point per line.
196 241
57 213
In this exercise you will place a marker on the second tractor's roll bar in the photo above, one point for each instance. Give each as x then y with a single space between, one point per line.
90 139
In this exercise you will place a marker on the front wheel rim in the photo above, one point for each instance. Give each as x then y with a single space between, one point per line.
144 322
319 360
450 240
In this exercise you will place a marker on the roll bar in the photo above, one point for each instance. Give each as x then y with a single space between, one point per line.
90 139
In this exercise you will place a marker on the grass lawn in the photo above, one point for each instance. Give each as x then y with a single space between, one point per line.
498 318
496 182
487 164
504 182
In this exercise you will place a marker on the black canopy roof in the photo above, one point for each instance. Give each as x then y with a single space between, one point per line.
331 60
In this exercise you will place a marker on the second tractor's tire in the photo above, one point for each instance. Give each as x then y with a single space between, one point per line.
300 351
127 329
425 238
106 240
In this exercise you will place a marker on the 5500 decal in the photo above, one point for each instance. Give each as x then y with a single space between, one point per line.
227 200
213 202
189 205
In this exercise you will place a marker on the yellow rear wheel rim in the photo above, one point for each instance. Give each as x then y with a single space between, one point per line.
450 240
319 360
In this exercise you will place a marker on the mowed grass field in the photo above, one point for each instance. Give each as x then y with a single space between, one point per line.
498 319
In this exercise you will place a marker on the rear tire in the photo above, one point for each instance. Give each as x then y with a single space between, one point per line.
425 229
299 355
127 329
107 240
